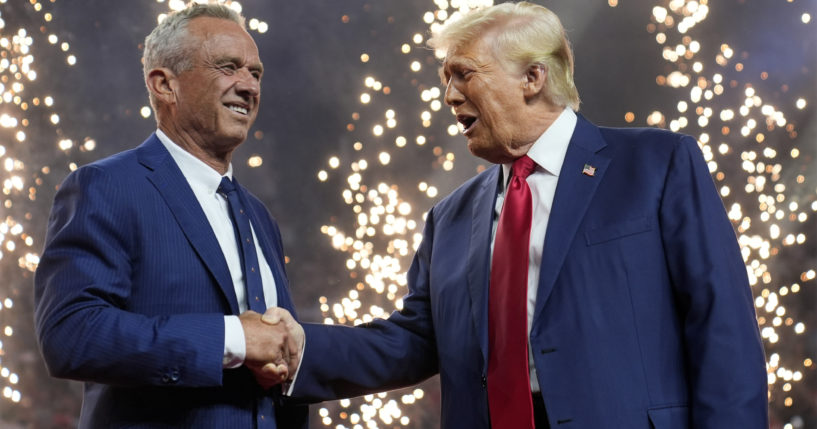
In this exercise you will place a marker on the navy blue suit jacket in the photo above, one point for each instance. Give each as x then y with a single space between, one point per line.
131 293
644 316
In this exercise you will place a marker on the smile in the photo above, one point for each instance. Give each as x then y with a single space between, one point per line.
238 109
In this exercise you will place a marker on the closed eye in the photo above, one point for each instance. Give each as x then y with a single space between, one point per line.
228 68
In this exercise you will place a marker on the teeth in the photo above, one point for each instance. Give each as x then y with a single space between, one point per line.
238 109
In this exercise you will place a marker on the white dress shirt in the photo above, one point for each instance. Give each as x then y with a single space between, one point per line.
204 181
549 154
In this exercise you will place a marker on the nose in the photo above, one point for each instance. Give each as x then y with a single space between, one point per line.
248 84
453 96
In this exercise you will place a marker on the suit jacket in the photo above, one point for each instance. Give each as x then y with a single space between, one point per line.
644 317
131 293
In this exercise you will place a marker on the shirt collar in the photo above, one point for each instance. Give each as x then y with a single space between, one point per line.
201 177
550 148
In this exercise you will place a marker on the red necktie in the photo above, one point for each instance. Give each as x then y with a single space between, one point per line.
509 396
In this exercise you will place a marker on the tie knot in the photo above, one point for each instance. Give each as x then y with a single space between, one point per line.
523 166
226 186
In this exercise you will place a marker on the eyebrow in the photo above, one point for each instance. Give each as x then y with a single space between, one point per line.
441 74
455 64
258 67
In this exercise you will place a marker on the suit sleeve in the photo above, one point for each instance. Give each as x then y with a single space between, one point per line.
82 287
725 361
385 354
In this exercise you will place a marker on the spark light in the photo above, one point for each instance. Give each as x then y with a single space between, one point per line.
748 128
25 107
387 227
738 125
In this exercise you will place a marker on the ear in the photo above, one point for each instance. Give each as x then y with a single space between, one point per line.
534 80
161 83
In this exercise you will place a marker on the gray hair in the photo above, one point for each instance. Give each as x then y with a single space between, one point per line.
528 34
168 45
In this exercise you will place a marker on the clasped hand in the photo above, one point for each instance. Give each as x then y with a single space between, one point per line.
274 344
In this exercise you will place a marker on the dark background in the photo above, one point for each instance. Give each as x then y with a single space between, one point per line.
311 111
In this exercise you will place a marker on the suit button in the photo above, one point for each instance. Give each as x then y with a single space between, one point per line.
484 382
165 379
174 375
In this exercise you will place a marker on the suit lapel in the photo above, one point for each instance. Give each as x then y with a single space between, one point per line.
574 192
479 259
174 189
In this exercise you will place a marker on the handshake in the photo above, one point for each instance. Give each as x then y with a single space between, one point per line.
274 344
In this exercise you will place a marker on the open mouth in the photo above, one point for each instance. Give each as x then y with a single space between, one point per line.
238 108
467 122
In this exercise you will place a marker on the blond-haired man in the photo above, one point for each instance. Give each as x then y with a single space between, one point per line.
589 279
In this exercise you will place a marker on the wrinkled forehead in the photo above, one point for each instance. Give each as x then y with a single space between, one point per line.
224 37
208 29
464 50
476 52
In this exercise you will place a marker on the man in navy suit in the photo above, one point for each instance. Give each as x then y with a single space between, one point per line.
140 286
635 308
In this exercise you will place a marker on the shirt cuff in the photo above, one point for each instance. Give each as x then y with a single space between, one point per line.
289 385
235 347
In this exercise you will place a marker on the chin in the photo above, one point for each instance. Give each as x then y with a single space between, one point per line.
485 151
239 135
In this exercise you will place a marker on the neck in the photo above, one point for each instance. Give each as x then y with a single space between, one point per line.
543 118
540 120
197 147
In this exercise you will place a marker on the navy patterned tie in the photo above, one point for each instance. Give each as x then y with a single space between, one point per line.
246 247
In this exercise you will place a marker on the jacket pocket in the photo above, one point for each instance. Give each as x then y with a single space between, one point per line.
669 417
605 233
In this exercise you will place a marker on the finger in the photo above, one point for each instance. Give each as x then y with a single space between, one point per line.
292 349
285 353
283 372
273 315
275 371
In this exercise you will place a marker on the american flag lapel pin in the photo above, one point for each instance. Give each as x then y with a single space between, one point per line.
589 170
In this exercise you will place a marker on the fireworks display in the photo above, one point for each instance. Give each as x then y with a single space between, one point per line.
752 146
399 151
25 106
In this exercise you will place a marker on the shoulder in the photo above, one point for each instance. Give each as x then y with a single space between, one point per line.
118 181
464 197
639 145
119 167
644 138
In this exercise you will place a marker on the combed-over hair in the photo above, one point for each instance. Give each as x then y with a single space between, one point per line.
526 34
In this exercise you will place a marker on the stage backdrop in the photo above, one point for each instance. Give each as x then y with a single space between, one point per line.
353 145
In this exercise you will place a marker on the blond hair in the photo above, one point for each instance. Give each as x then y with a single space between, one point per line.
526 34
